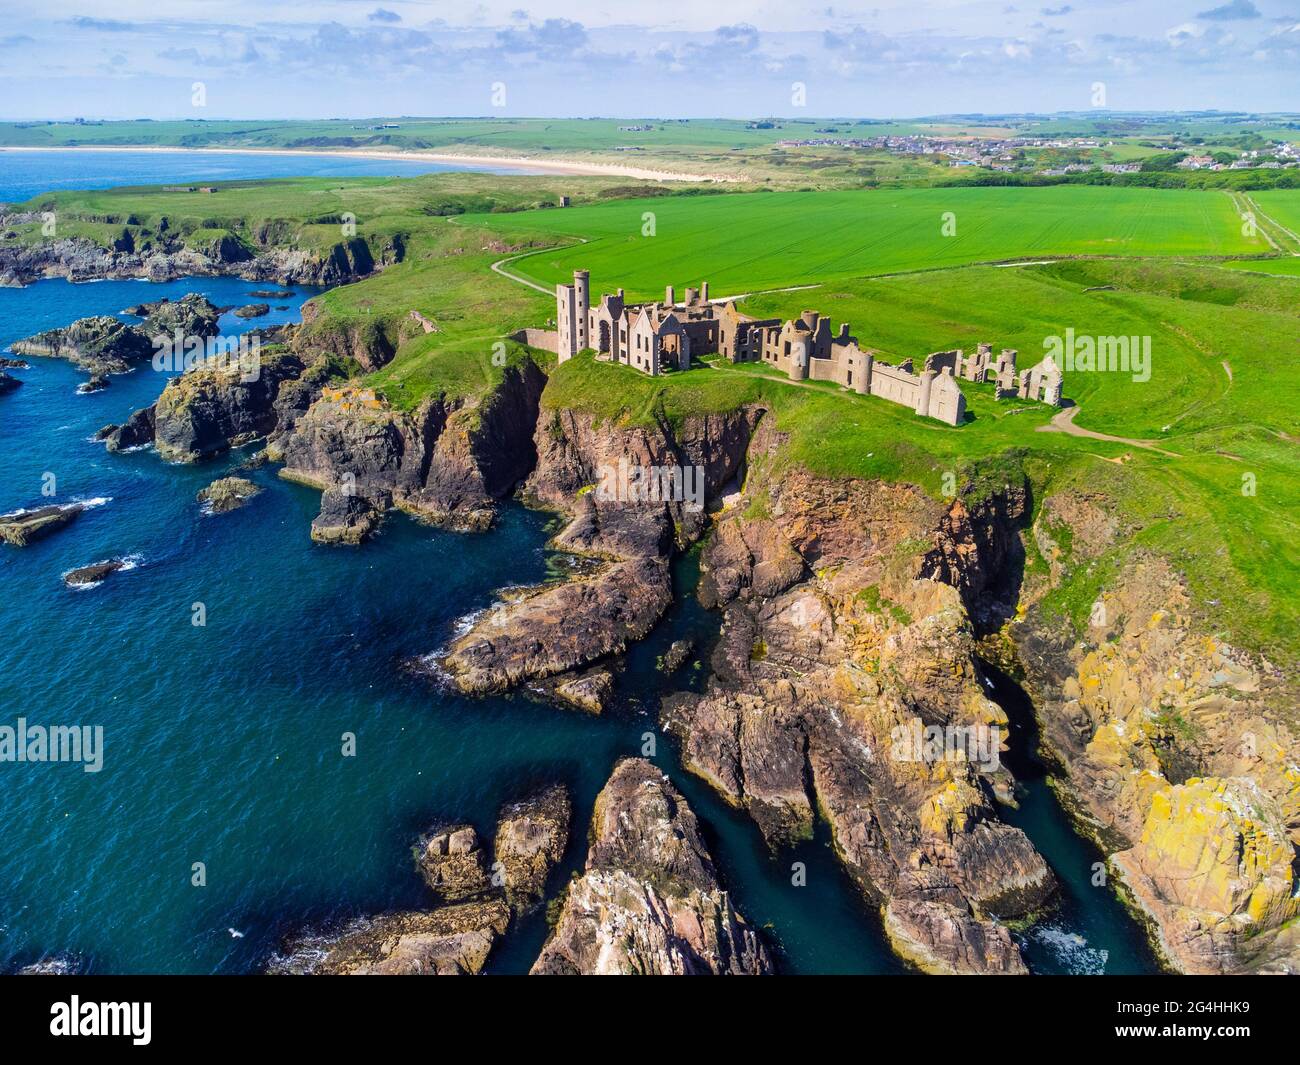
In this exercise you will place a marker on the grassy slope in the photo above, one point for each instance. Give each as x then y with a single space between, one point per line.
792 238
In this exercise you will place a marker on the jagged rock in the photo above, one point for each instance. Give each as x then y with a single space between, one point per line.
588 691
946 940
22 527
97 383
451 941
8 382
106 345
675 657
558 628
227 493
220 405
448 461
136 431
95 573
453 864
649 900
252 310
346 518
100 345
14 364
530 840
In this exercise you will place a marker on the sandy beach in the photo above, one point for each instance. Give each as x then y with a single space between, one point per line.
512 162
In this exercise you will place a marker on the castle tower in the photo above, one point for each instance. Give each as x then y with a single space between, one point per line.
704 292
670 296
927 384
582 308
862 384
799 360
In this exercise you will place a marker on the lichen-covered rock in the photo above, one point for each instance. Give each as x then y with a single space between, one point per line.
228 493
649 901
453 864
451 941
530 839
1215 869
589 690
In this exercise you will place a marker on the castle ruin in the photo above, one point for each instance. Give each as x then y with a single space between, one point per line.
663 336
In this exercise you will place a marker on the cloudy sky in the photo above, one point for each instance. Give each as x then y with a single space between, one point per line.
880 58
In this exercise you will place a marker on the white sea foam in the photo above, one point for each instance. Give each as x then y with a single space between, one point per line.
1072 951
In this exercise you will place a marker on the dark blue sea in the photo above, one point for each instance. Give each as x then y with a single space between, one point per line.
222 743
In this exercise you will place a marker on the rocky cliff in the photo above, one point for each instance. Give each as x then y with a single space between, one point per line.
839 646
1175 751
449 460
167 257
649 900
554 629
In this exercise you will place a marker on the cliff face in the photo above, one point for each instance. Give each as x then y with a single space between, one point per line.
547 631
649 901
77 259
448 461
838 647
1176 750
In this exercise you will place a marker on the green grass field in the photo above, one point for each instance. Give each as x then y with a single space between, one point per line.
741 243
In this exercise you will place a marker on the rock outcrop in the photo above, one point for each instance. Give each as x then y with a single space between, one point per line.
95 573
453 864
8 382
649 900
22 527
167 258
227 493
107 345
554 629
448 461
840 650
530 839
451 941
1174 750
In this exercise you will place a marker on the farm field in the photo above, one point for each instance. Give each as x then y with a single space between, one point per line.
745 242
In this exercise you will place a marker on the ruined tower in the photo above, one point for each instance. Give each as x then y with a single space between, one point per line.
572 311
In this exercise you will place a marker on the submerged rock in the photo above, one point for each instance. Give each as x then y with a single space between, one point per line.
451 941
530 840
95 573
649 901
22 527
54 965
228 493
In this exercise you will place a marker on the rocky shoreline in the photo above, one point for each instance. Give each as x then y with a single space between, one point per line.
849 616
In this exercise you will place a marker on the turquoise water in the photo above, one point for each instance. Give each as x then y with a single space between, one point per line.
222 743
26 174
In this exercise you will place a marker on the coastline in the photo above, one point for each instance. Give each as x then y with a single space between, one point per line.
509 162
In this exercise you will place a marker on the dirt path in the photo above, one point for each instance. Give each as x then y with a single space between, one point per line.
1064 423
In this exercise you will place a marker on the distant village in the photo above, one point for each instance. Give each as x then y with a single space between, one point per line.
1007 154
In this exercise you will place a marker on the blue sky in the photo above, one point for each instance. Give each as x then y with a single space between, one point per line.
887 58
